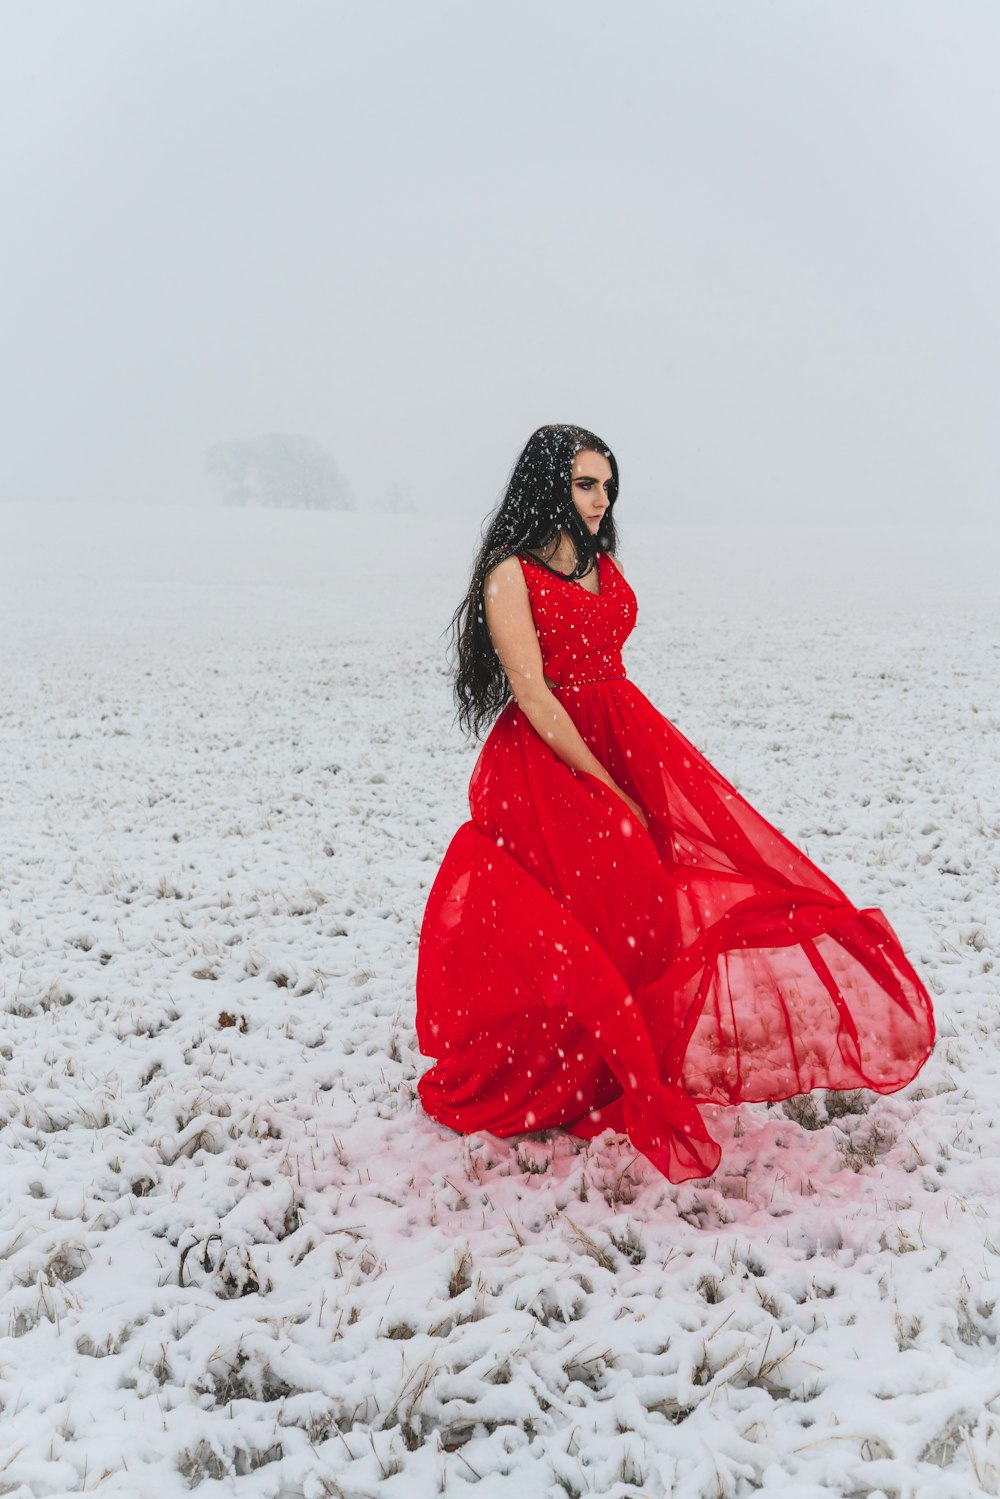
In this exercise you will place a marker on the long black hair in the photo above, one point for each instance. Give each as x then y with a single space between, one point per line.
537 502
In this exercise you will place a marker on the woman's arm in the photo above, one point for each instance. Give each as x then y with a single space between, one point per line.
512 630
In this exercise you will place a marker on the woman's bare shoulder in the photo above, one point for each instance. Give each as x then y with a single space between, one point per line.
506 573
617 563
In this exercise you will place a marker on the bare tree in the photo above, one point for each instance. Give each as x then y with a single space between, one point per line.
395 500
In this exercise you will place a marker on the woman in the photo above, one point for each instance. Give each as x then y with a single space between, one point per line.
617 935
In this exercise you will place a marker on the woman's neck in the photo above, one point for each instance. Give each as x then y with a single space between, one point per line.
563 555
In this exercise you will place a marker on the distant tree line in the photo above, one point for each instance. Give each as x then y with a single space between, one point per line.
282 469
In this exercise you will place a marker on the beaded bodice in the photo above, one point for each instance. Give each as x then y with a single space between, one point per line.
581 634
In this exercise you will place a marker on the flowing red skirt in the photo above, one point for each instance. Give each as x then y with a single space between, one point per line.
577 970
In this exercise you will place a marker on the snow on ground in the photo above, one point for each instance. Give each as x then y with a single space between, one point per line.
235 1255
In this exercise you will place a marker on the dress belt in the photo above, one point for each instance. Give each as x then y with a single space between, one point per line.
583 681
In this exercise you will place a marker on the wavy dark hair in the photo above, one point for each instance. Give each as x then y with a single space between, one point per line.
536 503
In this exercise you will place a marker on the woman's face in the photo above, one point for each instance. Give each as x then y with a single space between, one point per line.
591 485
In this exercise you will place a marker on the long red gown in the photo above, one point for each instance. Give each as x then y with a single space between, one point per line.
578 970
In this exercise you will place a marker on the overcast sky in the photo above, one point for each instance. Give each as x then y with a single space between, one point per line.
755 246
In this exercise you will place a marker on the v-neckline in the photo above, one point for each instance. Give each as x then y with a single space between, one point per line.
575 581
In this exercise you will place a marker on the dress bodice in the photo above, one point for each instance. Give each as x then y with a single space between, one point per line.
581 634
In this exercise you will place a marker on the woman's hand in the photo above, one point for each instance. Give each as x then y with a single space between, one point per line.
610 785
633 807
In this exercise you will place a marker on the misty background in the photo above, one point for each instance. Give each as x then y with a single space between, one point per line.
755 247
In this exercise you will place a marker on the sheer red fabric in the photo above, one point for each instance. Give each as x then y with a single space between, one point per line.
578 970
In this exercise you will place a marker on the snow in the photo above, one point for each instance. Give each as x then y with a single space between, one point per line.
236 1256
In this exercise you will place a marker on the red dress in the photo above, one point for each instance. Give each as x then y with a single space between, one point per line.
578 970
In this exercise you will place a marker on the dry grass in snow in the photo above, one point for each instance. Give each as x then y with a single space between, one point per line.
234 1254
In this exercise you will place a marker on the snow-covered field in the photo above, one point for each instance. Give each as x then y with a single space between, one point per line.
236 1256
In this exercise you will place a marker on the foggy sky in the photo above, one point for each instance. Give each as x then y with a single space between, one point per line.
753 245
